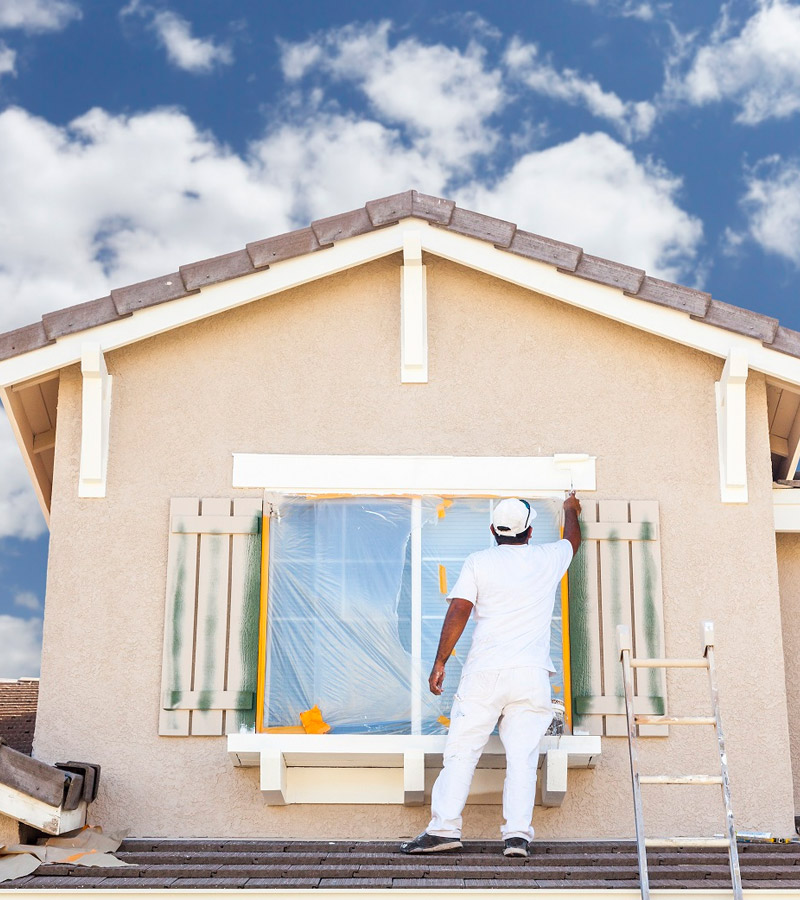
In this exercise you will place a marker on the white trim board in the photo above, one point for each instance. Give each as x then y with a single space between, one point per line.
415 475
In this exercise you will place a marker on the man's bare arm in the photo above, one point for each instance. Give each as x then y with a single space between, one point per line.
455 622
572 530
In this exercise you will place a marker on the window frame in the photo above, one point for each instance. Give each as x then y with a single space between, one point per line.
416 594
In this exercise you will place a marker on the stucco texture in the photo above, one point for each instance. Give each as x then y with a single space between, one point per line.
789 571
316 370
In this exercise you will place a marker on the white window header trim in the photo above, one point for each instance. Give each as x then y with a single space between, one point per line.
416 475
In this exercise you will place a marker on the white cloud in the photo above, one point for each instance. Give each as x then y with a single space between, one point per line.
629 9
28 600
8 60
21 640
38 15
633 119
443 96
772 201
593 192
20 515
758 69
184 50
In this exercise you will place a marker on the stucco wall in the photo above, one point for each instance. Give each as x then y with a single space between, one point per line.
316 370
789 573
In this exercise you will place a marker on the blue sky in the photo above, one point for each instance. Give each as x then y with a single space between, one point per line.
137 136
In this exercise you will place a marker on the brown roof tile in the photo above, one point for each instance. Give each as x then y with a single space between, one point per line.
22 340
216 269
605 271
665 293
786 341
434 209
742 321
389 210
149 293
534 246
345 225
80 317
485 228
283 246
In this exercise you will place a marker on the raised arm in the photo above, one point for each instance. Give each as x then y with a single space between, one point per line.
572 530
455 621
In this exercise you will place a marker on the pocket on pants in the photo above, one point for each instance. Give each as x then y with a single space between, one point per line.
478 686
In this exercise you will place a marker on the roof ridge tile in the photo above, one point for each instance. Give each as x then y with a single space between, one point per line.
740 320
216 268
486 228
284 246
23 340
80 317
149 293
606 271
676 296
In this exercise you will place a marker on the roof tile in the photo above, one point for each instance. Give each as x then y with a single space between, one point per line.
30 337
742 321
485 228
676 296
389 210
786 341
534 246
345 225
80 317
434 209
149 293
605 271
218 268
283 246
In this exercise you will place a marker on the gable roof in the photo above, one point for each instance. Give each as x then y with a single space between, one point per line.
376 214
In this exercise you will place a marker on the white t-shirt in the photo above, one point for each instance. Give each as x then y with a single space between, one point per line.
513 589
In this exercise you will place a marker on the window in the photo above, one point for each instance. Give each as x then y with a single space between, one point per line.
356 599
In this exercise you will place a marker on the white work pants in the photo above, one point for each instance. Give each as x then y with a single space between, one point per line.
520 698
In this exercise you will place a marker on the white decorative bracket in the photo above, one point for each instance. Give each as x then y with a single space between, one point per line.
554 777
95 421
413 313
731 430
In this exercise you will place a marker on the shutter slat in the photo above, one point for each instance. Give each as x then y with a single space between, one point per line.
212 621
648 612
615 580
584 625
242 672
176 670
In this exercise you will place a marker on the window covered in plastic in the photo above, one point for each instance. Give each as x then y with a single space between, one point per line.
357 591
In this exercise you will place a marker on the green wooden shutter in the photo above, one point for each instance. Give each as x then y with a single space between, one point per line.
615 579
210 660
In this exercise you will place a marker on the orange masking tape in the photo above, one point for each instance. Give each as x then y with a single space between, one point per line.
442 580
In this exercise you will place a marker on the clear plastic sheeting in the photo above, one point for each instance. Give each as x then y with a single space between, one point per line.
354 617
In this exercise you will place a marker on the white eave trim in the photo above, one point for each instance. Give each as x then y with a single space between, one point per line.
415 475
479 255
786 510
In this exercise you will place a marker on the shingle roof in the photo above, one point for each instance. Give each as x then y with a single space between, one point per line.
388 211
18 701
284 864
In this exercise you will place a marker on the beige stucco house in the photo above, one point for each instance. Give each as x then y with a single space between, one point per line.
261 470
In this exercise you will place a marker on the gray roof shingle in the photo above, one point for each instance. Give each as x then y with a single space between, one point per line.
385 211
286 864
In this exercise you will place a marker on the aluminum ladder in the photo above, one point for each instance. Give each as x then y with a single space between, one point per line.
706 661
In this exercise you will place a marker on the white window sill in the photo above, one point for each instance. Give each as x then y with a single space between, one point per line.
357 768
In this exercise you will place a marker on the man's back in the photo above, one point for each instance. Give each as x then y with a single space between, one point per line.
512 587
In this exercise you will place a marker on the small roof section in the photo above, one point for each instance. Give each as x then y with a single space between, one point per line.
18 701
323 233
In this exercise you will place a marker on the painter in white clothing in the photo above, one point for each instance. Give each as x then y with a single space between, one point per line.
510 590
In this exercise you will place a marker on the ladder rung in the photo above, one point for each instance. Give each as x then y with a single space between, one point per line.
643 719
686 842
680 779
695 663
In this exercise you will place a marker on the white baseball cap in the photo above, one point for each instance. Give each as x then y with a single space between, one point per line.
511 517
